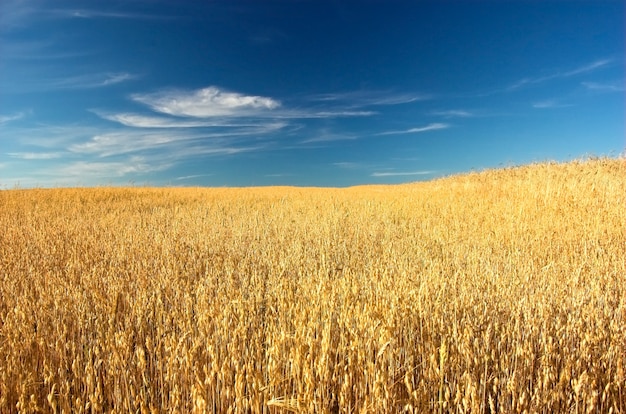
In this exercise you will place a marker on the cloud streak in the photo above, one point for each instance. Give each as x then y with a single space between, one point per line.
605 87
91 81
191 177
35 155
113 169
593 66
174 143
184 124
213 102
430 127
549 104
5 119
123 142
20 13
143 121
454 113
347 165
370 98
207 103
94 14
327 136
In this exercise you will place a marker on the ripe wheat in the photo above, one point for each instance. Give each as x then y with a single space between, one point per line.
501 291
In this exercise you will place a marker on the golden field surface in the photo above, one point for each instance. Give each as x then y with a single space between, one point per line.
500 291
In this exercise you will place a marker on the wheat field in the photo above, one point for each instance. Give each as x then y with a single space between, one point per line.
500 291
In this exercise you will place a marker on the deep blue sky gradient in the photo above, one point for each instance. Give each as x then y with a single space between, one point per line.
315 93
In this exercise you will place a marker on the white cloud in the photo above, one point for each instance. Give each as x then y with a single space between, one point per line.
324 114
90 81
605 87
19 13
278 175
4 119
130 141
45 82
347 165
589 68
113 78
35 155
370 98
189 177
215 103
53 137
115 143
430 127
454 113
215 149
327 136
92 14
89 170
206 103
15 13
598 64
549 104
398 174
142 121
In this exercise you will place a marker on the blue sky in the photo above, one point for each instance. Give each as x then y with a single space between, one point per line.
311 93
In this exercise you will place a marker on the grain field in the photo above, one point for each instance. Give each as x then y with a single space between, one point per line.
502 291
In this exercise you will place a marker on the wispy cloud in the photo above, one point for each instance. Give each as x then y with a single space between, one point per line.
215 103
370 98
430 127
593 66
278 175
617 86
176 144
191 177
14 13
38 50
207 103
113 78
549 104
52 138
454 113
398 174
303 114
90 81
328 136
94 14
88 169
40 80
123 142
35 155
44 82
589 68
143 121
347 165
5 119
19 13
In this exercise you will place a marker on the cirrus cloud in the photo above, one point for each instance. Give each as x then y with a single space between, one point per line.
430 127
9 118
207 103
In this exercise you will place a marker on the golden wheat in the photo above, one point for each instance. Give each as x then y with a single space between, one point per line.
501 291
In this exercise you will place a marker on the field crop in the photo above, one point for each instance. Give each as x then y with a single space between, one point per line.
500 291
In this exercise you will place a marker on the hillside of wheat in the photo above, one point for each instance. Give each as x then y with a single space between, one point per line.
500 291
